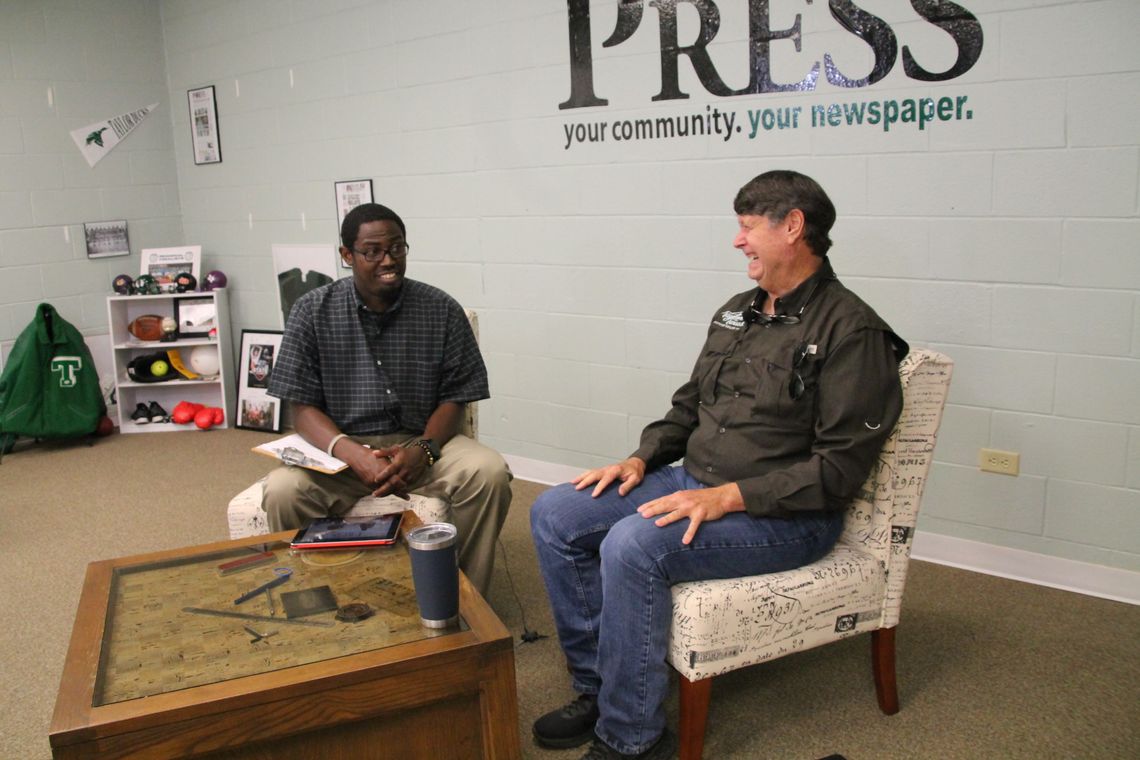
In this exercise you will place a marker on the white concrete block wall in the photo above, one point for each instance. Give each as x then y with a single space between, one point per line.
64 66
1009 239
1133 479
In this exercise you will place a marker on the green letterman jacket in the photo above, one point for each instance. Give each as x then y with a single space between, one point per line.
49 387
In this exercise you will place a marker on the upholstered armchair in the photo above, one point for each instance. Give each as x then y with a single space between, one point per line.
246 512
720 626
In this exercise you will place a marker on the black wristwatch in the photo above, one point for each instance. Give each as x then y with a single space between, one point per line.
430 448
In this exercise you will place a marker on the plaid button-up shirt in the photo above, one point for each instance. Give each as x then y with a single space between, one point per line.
377 373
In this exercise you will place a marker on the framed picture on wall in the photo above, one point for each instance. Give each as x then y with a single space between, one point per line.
350 194
106 239
257 410
164 264
204 136
299 269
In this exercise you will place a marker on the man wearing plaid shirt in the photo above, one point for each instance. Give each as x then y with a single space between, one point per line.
377 369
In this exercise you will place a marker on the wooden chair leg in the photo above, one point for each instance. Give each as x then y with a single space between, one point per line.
883 664
694 706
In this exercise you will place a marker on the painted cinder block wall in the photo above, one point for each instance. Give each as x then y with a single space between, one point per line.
64 66
1004 234
1007 240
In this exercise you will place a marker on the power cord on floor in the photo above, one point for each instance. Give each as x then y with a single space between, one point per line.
528 636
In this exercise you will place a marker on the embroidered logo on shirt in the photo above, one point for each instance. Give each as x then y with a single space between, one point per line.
733 320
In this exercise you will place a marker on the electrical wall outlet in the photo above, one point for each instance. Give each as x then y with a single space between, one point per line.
1003 462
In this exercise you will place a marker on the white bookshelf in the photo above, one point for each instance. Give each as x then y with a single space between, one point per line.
217 391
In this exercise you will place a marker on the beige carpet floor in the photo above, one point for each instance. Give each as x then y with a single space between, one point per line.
988 667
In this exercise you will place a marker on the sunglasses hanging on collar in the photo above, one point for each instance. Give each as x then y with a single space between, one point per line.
756 314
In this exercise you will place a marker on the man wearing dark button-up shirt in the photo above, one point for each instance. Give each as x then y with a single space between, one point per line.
744 418
789 402
377 369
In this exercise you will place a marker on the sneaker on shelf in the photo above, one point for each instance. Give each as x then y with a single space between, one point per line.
157 413
141 415
568 726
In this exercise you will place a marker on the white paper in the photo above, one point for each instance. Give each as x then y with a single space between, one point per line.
323 460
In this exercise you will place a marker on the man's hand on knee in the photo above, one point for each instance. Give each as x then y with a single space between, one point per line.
698 505
630 472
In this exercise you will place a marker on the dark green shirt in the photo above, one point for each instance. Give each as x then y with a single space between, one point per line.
736 420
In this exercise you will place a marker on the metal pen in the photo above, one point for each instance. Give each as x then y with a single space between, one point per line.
283 574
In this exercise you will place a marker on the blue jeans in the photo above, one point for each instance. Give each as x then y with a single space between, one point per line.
608 571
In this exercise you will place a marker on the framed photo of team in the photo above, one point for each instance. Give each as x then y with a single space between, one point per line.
257 410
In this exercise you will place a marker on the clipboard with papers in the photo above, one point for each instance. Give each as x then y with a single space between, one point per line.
295 450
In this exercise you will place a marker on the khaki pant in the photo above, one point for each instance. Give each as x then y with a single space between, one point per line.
473 478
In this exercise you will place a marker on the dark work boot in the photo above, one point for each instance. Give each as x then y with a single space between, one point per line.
569 726
663 749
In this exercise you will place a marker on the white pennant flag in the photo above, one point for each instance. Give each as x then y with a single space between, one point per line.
98 139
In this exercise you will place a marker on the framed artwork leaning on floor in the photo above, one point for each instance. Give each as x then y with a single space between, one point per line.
257 410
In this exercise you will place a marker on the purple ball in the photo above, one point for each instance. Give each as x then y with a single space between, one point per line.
214 279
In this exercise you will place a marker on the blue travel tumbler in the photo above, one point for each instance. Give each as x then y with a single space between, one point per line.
435 573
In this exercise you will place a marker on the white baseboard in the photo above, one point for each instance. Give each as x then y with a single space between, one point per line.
537 471
1017 564
990 559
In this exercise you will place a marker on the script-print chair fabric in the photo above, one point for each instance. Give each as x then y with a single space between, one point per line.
246 512
723 625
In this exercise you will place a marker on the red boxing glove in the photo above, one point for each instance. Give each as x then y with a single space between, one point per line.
185 412
209 416
204 419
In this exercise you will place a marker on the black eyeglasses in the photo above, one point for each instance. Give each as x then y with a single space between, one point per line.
796 384
398 252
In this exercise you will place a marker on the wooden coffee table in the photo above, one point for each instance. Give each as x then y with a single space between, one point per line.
145 678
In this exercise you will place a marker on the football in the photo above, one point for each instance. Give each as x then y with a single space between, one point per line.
146 327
